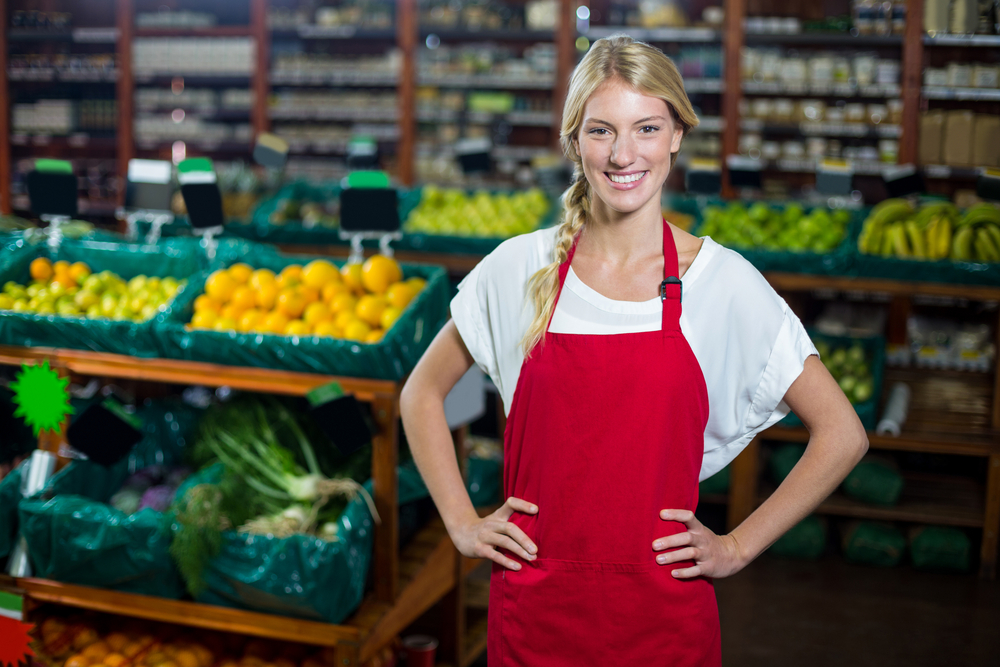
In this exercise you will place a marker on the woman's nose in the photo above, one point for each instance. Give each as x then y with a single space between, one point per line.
623 151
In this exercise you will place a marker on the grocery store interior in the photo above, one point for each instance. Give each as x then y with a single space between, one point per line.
231 228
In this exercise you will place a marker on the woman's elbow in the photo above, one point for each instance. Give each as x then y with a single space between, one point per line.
860 438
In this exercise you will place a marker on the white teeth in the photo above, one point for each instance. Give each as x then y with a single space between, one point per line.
626 179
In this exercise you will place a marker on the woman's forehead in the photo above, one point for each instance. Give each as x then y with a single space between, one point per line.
617 102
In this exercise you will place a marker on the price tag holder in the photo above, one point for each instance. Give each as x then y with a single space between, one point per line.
341 417
362 153
105 432
902 180
988 184
15 640
744 172
474 155
834 177
149 190
202 197
270 151
368 204
52 189
703 176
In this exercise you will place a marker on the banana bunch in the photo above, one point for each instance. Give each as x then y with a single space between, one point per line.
978 235
935 231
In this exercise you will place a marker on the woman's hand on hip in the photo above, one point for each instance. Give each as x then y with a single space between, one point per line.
714 556
480 537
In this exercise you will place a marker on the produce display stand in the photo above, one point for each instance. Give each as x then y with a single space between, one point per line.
964 426
406 583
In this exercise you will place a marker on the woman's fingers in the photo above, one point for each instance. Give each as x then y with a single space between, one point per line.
514 531
515 505
670 541
483 550
688 553
500 540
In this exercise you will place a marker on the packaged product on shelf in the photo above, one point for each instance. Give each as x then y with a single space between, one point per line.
783 459
985 76
986 140
931 137
876 480
940 548
942 343
806 540
957 145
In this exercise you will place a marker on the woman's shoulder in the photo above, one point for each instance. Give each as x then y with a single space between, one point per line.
728 274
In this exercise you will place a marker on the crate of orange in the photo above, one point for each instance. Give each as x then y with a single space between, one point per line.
92 295
309 314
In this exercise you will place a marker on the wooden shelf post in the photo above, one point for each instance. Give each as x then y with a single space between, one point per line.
124 91
385 458
912 74
262 66
5 173
407 32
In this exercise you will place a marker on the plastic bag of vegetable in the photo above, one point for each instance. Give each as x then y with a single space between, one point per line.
10 496
873 543
940 548
875 479
76 535
805 540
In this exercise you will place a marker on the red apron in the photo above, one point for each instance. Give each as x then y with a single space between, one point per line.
605 431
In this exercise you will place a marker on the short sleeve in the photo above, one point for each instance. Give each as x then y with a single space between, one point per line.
470 312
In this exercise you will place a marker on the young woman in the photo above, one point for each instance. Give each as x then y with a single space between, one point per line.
634 360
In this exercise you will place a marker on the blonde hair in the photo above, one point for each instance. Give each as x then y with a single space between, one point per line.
646 69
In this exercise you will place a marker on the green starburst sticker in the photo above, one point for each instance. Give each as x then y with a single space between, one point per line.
42 397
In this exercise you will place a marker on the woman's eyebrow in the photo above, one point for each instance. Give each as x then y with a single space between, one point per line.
649 118
598 120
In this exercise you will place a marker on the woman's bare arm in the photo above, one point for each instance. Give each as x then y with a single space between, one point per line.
422 410
837 441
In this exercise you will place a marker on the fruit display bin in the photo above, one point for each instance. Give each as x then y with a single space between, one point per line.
179 258
389 359
836 262
874 347
927 271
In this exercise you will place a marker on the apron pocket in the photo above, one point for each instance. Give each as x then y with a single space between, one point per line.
575 613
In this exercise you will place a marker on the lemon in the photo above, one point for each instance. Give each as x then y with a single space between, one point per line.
343 302
273 323
374 336
317 312
351 273
232 312
262 277
205 302
220 286
291 302
224 324
297 328
241 273
356 330
203 319
400 295
389 317
244 297
249 319
267 296
290 276
326 328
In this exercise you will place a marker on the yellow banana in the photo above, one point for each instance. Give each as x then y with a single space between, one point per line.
899 244
985 248
918 243
943 246
994 231
961 245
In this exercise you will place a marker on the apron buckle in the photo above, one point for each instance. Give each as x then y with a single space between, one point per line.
671 280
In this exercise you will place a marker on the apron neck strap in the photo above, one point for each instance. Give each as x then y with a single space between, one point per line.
670 288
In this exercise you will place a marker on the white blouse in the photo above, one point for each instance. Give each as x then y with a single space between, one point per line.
748 342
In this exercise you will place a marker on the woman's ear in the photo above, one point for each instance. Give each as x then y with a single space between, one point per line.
675 144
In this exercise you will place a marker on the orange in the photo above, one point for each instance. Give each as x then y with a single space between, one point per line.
114 660
291 302
357 330
220 286
326 328
331 290
41 269
343 302
244 297
344 318
400 295
374 336
205 302
83 636
320 272
311 294
418 283
241 273
62 266
351 273
77 661
317 312
96 652
297 328
187 658
205 657
79 272
132 649
204 319
231 312
273 323
262 277
116 641
248 321
267 295
224 324
290 276
378 272
389 317
369 309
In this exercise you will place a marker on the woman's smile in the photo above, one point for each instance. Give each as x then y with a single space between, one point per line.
625 180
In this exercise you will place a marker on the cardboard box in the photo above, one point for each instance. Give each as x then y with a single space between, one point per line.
986 141
956 151
931 137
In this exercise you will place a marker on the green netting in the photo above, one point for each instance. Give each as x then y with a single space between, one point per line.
940 548
180 258
874 352
389 359
483 480
10 496
805 540
75 536
874 480
873 543
717 483
783 459
836 262
301 576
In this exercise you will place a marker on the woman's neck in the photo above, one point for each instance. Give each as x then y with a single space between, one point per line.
623 237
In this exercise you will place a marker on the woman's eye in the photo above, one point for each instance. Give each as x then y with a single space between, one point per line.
649 129
597 130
